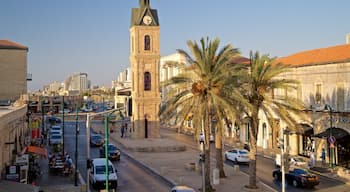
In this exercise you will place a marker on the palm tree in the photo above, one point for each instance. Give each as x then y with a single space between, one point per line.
201 87
260 81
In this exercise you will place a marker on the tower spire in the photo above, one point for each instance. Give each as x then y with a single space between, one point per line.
144 3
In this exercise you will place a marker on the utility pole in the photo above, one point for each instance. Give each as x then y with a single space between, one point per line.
282 144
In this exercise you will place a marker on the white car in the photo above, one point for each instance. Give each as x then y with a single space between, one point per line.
97 175
182 188
237 155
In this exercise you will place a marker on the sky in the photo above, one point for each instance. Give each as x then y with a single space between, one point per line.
92 36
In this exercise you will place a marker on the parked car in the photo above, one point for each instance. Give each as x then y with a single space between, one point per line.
182 188
294 161
96 140
298 177
56 128
113 152
237 155
55 139
97 175
54 120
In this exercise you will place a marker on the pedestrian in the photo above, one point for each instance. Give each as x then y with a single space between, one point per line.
122 131
323 156
126 130
312 158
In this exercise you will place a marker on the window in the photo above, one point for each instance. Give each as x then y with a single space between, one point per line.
318 95
264 131
147 81
147 43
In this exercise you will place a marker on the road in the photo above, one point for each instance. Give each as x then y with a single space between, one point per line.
131 177
264 166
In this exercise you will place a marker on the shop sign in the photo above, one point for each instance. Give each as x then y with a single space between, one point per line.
22 160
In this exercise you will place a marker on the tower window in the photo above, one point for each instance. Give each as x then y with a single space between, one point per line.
147 81
147 43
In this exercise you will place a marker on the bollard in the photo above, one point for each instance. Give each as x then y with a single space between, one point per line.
216 179
235 168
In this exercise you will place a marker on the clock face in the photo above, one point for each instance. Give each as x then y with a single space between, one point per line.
147 20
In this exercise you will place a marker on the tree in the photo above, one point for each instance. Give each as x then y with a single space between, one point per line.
201 91
259 84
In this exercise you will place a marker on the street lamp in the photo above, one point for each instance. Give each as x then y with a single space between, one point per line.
63 126
202 159
76 146
331 138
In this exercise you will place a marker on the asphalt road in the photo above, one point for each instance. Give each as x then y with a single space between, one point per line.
131 177
264 166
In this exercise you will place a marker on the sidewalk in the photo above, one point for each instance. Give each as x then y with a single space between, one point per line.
175 168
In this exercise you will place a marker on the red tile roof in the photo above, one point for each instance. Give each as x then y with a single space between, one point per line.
335 54
6 44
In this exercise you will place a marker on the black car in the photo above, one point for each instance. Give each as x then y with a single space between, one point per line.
113 152
96 140
298 177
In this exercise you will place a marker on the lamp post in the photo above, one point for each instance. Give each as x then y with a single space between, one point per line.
42 116
76 146
331 138
63 126
202 158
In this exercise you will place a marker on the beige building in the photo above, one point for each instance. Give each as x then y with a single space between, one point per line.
144 60
13 70
324 76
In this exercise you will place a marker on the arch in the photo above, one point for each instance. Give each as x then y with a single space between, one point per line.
147 81
147 43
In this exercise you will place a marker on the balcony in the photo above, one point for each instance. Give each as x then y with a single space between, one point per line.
29 77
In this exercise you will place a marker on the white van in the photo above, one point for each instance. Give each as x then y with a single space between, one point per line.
97 174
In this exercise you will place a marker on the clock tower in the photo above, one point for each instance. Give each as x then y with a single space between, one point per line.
144 61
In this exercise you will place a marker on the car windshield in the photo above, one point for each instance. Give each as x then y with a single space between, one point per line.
298 159
243 152
102 169
300 171
96 137
56 137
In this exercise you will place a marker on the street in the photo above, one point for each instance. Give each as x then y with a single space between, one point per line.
131 177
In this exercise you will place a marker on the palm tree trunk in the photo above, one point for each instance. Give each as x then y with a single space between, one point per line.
219 153
208 187
253 150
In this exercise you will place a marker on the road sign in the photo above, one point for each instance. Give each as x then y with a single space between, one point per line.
331 139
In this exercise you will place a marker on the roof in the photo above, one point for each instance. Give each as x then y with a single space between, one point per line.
335 54
6 44
138 13
101 161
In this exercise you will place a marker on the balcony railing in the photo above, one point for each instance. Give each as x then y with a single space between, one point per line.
29 77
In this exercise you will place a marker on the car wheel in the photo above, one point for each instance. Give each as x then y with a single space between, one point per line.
236 161
295 183
226 157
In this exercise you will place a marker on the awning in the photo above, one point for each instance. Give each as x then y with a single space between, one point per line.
37 150
338 133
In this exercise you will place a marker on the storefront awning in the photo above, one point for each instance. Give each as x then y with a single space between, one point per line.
37 150
338 133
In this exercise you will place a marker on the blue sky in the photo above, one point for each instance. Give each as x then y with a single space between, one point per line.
92 36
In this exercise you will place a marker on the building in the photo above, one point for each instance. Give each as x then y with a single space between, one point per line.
77 82
144 60
13 70
324 76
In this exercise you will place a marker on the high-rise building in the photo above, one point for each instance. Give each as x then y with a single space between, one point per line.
77 82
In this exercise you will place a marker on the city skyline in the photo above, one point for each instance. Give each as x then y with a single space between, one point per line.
66 37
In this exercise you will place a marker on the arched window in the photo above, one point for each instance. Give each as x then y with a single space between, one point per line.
147 43
147 81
